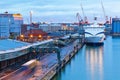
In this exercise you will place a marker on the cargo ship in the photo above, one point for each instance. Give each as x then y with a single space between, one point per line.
94 34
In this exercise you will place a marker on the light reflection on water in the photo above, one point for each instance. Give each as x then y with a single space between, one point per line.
94 63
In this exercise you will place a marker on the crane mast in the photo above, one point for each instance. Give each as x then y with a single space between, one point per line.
103 9
106 17
82 10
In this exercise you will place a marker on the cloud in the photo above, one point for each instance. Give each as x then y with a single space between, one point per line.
51 9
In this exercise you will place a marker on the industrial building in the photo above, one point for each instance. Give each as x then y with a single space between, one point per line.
116 26
13 52
10 24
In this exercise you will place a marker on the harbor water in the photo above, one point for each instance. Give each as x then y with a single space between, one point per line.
94 63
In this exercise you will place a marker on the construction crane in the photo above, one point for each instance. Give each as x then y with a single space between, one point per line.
106 17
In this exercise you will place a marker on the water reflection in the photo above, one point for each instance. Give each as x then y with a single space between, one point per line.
94 62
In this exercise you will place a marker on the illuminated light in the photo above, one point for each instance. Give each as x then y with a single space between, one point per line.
40 36
31 36
17 15
22 36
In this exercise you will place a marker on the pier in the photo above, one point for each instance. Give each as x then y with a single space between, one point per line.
57 53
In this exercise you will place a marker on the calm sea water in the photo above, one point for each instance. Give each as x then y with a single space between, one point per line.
94 63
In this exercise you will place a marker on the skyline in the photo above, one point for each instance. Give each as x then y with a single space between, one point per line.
60 10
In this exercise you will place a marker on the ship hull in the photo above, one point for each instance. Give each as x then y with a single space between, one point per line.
94 41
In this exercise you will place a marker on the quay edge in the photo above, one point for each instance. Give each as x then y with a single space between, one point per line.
56 68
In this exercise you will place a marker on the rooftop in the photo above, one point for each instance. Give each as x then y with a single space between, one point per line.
8 44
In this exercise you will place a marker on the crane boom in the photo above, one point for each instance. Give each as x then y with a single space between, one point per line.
84 16
82 10
106 18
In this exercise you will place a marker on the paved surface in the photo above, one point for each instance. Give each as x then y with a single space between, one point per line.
66 50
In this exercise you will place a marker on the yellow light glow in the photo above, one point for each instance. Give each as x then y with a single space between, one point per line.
40 36
22 36
31 36
17 15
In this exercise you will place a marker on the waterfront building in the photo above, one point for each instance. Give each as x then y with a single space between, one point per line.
26 27
10 24
32 33
115 26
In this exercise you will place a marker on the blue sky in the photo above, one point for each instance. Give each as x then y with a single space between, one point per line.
60 10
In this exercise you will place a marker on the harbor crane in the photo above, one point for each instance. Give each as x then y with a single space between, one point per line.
80 20
80 23
106 17
85 17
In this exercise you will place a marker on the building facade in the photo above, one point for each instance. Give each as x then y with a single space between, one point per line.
53 27
32 33
10 24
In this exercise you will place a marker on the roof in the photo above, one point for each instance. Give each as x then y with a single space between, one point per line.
8 44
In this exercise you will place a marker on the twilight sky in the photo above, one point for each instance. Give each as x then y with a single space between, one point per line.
60 10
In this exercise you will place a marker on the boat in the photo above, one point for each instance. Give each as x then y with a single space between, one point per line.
94 34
